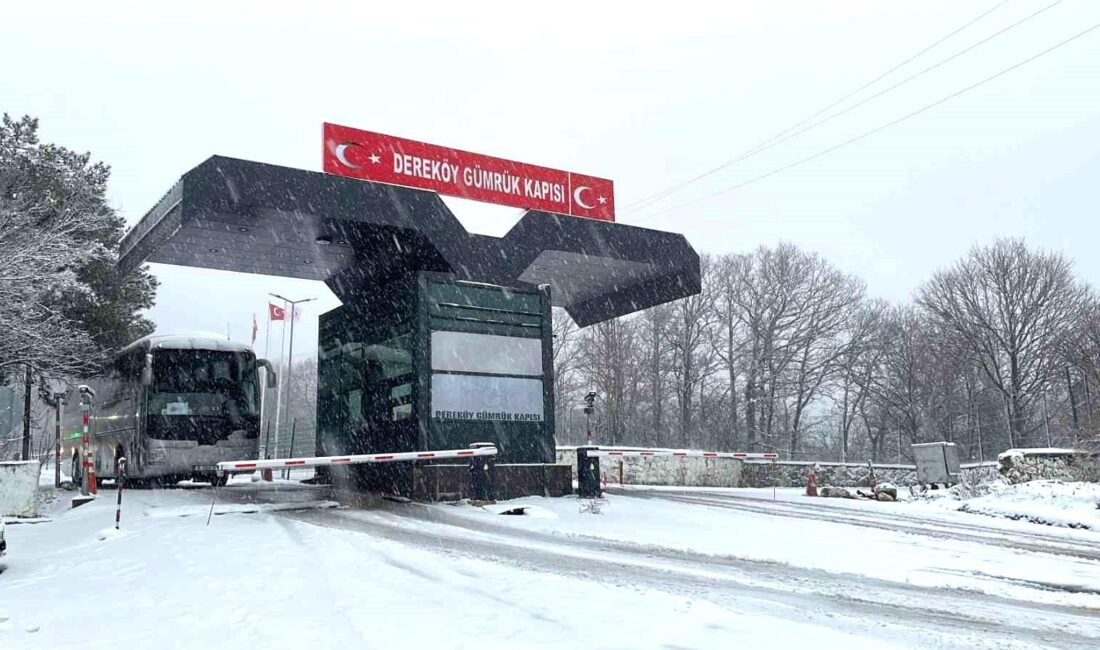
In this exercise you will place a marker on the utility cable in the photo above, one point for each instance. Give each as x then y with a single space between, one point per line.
653 198
875 130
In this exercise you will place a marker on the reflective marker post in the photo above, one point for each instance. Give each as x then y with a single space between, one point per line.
120 475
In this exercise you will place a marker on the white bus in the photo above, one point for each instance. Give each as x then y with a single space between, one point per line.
173 406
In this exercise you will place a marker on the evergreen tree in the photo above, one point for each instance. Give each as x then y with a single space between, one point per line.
62 301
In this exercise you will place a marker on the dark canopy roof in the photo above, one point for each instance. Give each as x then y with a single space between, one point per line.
238 215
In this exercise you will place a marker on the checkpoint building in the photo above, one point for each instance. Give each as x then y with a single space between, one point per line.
444 337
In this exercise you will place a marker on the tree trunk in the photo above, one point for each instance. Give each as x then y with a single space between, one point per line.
1073 406
750 410
26 455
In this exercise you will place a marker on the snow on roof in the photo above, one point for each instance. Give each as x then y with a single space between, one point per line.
194 341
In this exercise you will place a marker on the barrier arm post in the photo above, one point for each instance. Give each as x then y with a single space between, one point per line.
481 474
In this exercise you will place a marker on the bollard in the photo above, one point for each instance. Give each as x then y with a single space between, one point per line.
88 460
120 476
588 474
481 474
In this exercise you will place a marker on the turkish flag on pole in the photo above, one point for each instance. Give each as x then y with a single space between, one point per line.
275 312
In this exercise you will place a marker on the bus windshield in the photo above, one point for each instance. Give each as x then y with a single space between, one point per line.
205 383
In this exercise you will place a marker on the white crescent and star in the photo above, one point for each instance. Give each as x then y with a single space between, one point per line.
579 200
341 153
577 194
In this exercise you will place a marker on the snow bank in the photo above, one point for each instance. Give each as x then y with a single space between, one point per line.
1055 503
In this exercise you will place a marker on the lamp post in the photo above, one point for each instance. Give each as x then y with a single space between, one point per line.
289 363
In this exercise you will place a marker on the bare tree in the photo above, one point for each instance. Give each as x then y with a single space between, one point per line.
609 364
827 300
566 356
687 336
858 363
729 337
654 329
1015 308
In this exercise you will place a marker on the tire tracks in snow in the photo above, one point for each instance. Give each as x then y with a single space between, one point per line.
915 525
939 617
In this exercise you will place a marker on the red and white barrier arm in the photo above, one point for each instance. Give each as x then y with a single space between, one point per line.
320 461
614 452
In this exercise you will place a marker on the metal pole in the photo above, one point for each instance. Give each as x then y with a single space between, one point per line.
27 416
289 360
289 368
57 442
293 426
263 385
279 393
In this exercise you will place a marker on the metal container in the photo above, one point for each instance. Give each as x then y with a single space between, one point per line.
937 463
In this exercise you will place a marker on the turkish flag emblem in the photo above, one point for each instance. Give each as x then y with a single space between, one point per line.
275 313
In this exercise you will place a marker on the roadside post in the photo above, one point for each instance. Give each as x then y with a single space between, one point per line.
293 426
120 478
88 486
588 474
53 395
57 443
589 409
481 474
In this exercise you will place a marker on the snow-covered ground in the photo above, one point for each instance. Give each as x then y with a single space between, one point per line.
1055 503
279 567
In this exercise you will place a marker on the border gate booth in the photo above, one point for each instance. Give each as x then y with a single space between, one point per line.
444 337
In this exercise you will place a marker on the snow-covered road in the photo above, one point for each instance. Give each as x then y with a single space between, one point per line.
656 569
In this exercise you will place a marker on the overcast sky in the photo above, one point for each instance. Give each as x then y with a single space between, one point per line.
649 97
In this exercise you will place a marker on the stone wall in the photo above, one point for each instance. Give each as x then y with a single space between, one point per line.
662 470
1022 465
796 473
974 474
1016 466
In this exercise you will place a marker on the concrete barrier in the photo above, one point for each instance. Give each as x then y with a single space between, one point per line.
19 488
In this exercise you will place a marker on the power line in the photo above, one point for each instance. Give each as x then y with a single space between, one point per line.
874 130
643 202
911 77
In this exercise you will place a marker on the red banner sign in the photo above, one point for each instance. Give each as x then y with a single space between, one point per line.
386 159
